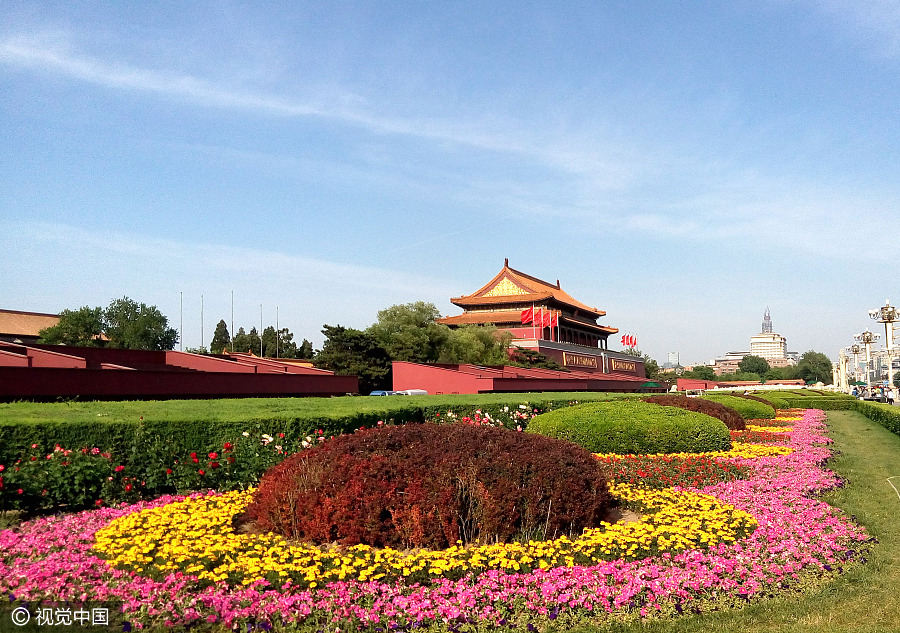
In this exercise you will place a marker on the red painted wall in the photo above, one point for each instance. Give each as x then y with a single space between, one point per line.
19 382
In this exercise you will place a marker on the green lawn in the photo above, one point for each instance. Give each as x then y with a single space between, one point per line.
865 600
246 409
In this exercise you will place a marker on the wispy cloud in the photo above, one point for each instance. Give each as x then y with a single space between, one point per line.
37 53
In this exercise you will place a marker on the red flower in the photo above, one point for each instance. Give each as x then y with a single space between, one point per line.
2 468
281 435
214 455
19 491
34 446
214 464
228 446
168 471
201 471
127 487
119 468
194 455
98 502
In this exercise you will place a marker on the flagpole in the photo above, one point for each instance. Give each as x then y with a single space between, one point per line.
533 324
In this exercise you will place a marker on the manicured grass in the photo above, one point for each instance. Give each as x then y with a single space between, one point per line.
864 600
248 409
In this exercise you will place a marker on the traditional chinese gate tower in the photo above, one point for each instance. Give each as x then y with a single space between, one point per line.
575 341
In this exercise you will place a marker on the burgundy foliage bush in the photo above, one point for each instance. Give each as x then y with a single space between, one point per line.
732 419
429 485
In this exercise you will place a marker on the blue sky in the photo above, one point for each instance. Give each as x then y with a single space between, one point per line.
680 165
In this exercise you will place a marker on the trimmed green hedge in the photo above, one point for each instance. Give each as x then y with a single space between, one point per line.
826 403
632 427
886 415
777 400
749 409
203 425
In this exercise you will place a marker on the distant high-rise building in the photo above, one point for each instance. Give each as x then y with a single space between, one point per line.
673 359
767 322
767 344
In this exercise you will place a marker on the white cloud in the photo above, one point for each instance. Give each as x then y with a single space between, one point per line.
55 56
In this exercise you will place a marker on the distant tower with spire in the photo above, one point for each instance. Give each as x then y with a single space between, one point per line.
767 344
767 322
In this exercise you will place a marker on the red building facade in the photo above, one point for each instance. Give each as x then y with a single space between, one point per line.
576 341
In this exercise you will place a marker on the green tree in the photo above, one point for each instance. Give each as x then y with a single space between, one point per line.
897 379
132 325
81 327
476 344
533 359
789 372
253 341
220 339
651 367
701 372
240 342
351 352
287 348
305 350
269 339
749 376
754 364
815 366
409 332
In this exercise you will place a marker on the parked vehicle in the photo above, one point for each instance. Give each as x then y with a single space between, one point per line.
412 392
382 392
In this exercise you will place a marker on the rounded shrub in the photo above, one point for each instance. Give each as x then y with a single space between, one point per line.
748 409
732 419
431 485
633 427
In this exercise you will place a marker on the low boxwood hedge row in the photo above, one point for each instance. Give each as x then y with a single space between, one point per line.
886 415
203 426
749 409
633 427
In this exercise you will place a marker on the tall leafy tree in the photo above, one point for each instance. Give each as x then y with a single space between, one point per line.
815 366
269 339
81 327
132 325
409 332
476 344
351 352
220 339
702 372
754 364
651 367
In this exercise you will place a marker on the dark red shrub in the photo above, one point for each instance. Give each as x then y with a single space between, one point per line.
732 419
429 485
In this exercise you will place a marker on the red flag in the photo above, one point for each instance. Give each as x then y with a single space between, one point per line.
547 321
623 339
528 315
554 319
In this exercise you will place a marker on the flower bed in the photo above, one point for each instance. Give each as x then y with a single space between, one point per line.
195 536
798 541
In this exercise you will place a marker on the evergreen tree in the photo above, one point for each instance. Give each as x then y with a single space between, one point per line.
240 342
351 352
220 339
305 350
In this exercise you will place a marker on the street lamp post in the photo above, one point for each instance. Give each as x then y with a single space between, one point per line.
867 338
888 315
855 349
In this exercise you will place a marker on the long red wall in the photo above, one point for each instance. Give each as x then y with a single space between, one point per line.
40 382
